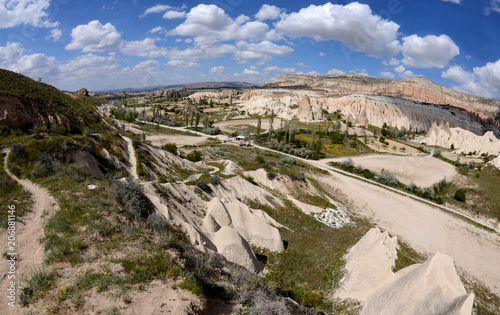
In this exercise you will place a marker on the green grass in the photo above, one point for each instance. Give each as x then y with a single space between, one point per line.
12 194
38 283
485 192
314 258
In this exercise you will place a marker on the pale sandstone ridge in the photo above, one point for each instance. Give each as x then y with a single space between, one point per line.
432 287
416 89
215 96
461 140
362 110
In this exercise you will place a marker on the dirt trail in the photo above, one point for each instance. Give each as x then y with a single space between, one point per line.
132 158
28 232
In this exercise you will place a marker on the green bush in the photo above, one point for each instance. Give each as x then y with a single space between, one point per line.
170 147
194 156
203 185
460 195
45 166
215 180
130 195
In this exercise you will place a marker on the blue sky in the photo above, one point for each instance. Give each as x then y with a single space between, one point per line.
104 45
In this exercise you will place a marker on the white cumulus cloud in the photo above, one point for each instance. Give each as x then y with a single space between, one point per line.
219 69
453 1
143 48
458 74
25 12
268 12
353 24
55 34
95 37
428 52
174 15
250 72
209 24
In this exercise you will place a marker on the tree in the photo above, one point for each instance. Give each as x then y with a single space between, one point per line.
460 195
197 120
271 121
259 126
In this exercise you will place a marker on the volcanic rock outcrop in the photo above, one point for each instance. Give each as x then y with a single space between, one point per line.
432 287
461 140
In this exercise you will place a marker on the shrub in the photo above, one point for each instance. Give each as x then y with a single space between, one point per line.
170 147
259 159
211 130
368 174
411 187
460 195
45 165
18 154
194 156
347 163
203 185
388 178
288 160
215 180
437 153
271 175
131 196
157 222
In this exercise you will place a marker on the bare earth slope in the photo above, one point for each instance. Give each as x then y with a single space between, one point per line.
29 230
416 89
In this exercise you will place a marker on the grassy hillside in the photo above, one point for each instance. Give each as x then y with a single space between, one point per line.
29 103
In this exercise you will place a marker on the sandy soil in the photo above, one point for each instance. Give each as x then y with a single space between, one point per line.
378 146
29 230
426 228
422 170
463 159
179 140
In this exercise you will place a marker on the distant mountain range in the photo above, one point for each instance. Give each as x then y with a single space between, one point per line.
199 85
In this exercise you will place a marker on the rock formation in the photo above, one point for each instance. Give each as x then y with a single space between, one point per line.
429 288
224 225
415 89
82 92
362 110
461 140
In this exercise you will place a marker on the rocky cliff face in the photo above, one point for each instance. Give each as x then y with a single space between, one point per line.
359 109
461 140
416 89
